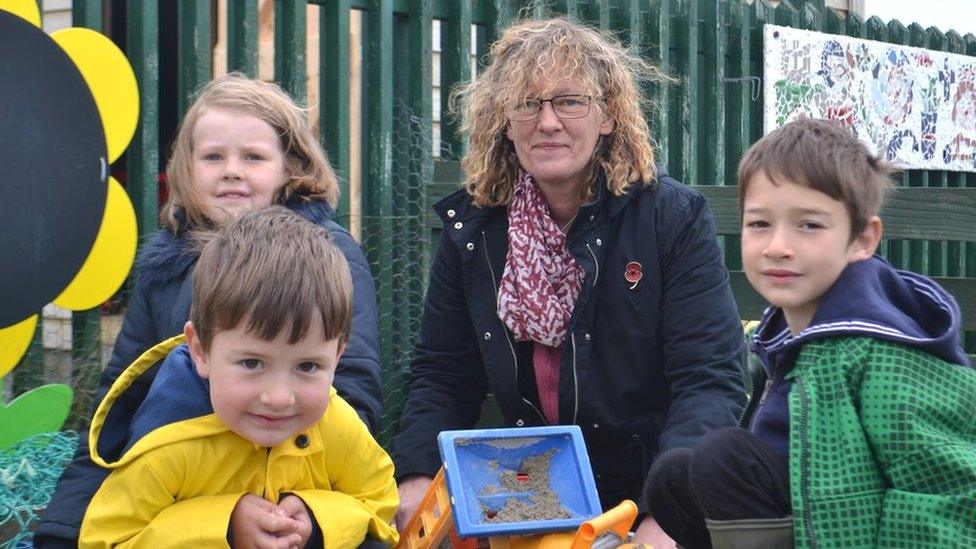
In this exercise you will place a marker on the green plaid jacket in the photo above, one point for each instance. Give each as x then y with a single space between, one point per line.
882 447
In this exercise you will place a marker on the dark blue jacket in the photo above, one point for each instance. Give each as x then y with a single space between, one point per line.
644 369
158 309
870 298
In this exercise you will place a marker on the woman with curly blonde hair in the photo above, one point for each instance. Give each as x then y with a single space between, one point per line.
574 280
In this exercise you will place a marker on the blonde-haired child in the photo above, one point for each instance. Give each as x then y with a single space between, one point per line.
243 145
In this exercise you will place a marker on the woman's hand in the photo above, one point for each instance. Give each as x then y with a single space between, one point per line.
650 532
412 490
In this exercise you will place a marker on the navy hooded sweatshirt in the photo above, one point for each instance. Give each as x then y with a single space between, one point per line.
870 298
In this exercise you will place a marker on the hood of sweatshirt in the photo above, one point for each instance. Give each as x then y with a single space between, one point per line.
177 394
871 298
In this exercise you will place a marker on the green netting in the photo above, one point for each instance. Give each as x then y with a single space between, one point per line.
29 471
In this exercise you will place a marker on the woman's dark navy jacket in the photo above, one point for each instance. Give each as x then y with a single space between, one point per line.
158 309
646 368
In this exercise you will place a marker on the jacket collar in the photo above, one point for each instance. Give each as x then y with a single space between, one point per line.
464 221
164 258
871 298
167 256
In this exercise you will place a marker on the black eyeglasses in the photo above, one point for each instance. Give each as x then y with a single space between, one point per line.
565 106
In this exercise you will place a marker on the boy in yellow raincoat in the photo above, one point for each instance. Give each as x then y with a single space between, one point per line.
242 440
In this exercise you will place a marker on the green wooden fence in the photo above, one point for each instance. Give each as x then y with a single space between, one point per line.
702 124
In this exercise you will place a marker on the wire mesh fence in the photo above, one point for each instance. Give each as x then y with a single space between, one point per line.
398 251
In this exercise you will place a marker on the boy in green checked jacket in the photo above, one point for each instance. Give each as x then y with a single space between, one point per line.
865 431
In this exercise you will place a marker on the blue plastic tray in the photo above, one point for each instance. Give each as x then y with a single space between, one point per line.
475 460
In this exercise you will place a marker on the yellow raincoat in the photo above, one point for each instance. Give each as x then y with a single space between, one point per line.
177 484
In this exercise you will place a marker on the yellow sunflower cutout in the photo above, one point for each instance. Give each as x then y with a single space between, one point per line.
69 107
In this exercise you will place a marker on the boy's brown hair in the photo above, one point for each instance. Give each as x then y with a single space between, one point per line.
823 156
277 271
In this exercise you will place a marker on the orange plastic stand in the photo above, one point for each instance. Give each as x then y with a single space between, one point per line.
432 524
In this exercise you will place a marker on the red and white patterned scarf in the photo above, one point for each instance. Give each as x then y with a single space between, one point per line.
541 280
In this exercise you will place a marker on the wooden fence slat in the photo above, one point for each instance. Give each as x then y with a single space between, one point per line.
541 9
289 41
685 167
377 190
335 95
500 14
875 29
629 25
811 17
419 100
854 26
762 12
455 68
242 37
600 13
787 14
739 88
193 51
659 53
834 23
569 8
86 13
711 135
142 156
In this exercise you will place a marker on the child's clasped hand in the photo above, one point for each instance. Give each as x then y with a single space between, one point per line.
258 523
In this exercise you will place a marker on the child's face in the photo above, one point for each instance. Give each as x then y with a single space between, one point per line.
267 391
238 164
795 243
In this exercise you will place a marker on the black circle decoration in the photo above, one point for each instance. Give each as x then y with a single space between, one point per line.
53 169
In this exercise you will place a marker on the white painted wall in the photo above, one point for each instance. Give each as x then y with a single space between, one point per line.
55 15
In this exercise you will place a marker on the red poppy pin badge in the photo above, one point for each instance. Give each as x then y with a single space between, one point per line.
633 273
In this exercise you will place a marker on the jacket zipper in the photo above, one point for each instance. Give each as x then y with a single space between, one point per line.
805 463
759 405
511 347
596 265
765 393
572 339
760 380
